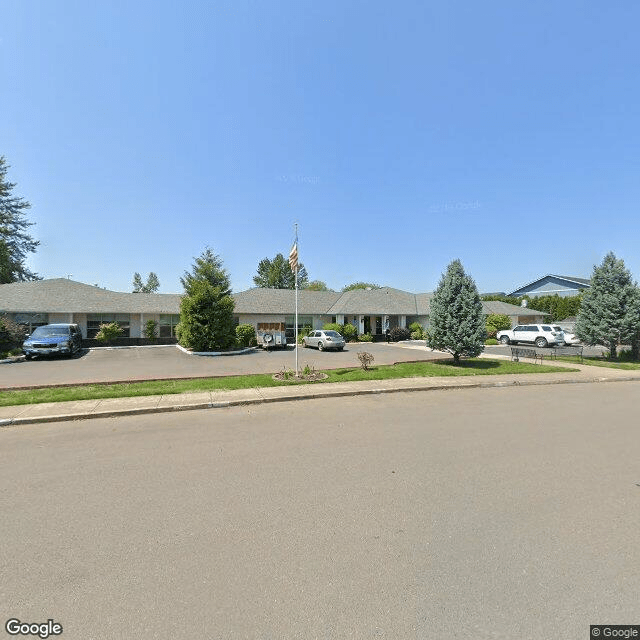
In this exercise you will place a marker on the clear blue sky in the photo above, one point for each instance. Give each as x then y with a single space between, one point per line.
398 135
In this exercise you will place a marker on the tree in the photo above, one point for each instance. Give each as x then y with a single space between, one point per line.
15 242
277 274
206 318
152 286
457 323
317 285
360 285
496 322
207 268
609 311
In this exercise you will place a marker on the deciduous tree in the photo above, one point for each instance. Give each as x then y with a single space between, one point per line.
360 285
277 274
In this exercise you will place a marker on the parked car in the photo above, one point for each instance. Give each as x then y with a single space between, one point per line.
569 337
542 335
65 339
324 340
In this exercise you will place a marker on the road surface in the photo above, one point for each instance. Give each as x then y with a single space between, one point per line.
483 513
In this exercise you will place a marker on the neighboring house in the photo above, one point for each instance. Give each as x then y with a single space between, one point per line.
370 311
550 285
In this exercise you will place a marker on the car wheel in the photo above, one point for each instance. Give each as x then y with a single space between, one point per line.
320 346
340 348
28 356
541 342
504 339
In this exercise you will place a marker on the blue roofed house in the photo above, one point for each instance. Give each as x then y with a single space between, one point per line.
550 285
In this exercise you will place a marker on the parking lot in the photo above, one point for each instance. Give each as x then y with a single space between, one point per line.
148 363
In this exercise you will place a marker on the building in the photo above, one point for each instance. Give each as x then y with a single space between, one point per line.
550 285
370 311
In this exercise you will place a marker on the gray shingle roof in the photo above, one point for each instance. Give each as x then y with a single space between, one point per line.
60 295
283 301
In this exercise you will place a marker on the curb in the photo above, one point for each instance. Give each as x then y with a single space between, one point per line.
216 353
9 422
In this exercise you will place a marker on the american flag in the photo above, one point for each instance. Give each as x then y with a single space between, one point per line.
293 257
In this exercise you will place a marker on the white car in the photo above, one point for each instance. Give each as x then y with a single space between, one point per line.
569 338
542 335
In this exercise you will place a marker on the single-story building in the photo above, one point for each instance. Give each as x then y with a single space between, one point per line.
370 311
550 285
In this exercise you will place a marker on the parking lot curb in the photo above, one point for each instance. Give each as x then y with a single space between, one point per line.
313 393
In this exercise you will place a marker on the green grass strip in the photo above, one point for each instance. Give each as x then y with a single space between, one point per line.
471 367
602 362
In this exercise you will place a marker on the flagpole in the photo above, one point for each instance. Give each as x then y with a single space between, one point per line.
296 276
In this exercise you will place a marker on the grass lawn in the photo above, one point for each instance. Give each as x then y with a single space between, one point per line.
473 367
602 362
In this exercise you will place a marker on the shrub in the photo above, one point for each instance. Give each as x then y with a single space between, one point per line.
109 332
416 331
491 341
332 326
491 331
11 333
302 332
366 359
150 329
365 337
497 322
246 335
349 332
399 333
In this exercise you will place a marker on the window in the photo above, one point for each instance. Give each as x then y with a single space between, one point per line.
31 321
94 320
290 321
167 325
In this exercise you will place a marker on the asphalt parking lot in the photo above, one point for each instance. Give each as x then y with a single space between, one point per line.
148 363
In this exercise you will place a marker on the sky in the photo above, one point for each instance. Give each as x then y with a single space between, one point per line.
398 136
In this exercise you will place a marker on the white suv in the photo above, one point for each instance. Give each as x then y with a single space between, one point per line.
542 335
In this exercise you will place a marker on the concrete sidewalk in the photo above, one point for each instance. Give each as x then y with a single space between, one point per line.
112 407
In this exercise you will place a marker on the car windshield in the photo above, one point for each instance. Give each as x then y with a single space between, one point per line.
49 332
332 334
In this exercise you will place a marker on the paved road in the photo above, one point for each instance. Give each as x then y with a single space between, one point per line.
104 365
501 513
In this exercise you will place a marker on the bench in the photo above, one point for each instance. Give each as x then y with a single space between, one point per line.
567 351
519 352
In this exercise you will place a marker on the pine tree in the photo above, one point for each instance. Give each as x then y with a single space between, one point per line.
609 313
15 243
137 283
207 267
153 283
456 319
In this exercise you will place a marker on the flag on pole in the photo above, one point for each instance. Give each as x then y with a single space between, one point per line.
293 257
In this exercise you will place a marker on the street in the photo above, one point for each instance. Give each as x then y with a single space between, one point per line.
470 513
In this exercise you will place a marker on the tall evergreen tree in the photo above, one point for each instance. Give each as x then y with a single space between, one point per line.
152 285
277 274
456 319
207 267
15 242
609 310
